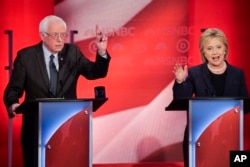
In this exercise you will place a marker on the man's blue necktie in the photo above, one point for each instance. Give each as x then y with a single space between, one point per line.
53 75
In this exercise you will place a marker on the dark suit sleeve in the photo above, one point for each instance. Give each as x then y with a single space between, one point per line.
189 87
14 89
243 87
93 70
183 90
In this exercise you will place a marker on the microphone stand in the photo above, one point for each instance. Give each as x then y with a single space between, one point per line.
9 67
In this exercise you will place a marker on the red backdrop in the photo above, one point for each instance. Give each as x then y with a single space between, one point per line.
22 17
139 81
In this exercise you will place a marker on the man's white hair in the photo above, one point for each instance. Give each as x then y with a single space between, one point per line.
43 26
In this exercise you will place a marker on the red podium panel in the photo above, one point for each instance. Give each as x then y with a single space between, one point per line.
214 144
64 129
215 128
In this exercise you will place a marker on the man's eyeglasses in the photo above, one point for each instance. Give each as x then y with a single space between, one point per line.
62 35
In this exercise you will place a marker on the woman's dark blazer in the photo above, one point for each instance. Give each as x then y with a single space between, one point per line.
198 83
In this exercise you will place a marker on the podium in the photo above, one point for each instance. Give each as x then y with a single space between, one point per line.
215 127
62 130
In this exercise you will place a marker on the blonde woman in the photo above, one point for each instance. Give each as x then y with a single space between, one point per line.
215 77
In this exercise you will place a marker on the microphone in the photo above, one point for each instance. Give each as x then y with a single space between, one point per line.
61 83
61 60
61 89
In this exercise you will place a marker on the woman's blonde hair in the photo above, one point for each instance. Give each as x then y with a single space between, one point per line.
209 34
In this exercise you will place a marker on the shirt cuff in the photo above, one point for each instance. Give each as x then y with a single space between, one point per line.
104 56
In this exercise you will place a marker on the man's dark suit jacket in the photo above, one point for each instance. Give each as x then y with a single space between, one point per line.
198 83
29 75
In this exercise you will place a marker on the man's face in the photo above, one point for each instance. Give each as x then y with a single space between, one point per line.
55 36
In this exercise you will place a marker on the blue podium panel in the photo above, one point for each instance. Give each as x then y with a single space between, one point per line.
215 128
65 133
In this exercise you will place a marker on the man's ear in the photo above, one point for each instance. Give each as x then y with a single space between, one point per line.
41 36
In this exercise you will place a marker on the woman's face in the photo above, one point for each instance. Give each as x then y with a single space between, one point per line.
215 51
